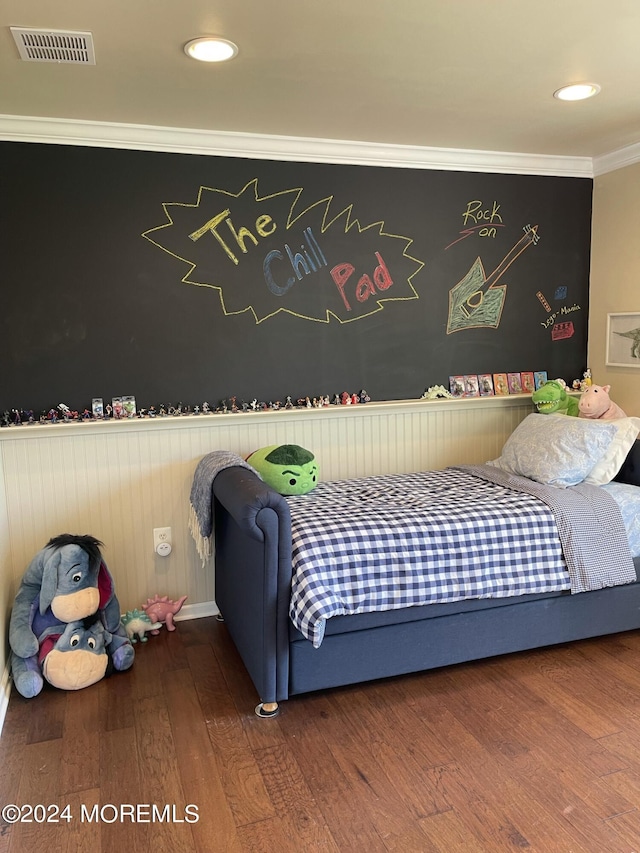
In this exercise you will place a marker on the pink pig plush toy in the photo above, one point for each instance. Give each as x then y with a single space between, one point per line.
596 404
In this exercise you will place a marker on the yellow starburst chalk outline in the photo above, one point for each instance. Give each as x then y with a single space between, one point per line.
291 220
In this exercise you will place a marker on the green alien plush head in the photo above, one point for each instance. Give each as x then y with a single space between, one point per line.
287 468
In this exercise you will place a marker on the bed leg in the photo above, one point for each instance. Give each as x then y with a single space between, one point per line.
267 709
219 617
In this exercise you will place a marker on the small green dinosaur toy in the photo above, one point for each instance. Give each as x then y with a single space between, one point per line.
136 623
552 399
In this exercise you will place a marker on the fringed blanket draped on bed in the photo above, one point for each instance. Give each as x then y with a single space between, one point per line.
201 498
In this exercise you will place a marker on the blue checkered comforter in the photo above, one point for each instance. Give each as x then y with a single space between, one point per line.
384 542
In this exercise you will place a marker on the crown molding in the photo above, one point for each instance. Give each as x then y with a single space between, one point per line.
257 146
616 159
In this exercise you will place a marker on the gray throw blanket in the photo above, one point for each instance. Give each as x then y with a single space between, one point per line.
592 533
201 498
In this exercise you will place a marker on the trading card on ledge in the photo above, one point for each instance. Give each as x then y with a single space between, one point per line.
129 406
515 383
471 385
527 382
456 386
485 382
540 378
500 384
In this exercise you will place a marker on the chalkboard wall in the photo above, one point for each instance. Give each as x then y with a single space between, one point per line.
175 277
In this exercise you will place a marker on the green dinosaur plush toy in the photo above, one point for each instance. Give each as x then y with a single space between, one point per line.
287 468
552 399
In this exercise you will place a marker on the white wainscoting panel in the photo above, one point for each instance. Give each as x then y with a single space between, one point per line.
120 480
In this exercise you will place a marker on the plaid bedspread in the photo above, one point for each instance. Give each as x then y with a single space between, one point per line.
391 541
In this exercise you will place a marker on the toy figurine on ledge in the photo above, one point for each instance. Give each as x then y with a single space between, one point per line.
437 392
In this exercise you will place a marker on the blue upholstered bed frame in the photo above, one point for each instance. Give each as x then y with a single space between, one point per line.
253 582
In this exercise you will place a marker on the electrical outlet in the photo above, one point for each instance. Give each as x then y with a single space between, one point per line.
161 535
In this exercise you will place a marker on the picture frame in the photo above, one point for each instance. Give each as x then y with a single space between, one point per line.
623 339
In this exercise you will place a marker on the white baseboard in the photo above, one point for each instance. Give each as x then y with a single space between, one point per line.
197 611
5 692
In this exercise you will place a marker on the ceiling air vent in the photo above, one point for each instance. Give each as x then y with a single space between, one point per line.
37 45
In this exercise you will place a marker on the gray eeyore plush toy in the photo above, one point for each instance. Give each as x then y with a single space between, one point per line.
67 582
79 657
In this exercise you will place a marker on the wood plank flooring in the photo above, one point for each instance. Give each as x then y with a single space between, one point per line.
537 752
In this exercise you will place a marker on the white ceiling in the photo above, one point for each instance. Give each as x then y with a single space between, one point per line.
463 74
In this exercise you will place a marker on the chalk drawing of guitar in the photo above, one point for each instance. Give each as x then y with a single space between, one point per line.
477 300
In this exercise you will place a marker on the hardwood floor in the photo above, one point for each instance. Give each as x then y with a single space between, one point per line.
538 751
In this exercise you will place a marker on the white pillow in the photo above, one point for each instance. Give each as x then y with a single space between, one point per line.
559 450
607 468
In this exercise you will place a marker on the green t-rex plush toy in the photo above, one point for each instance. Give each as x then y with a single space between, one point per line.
552 399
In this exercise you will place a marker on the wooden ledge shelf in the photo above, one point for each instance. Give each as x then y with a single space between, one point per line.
26 432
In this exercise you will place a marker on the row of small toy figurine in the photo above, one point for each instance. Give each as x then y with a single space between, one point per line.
158 611
60 414
344 399
63 414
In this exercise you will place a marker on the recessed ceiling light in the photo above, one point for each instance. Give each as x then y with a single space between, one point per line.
577 92
211 49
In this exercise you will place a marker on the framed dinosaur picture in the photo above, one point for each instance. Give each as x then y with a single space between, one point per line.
623 340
